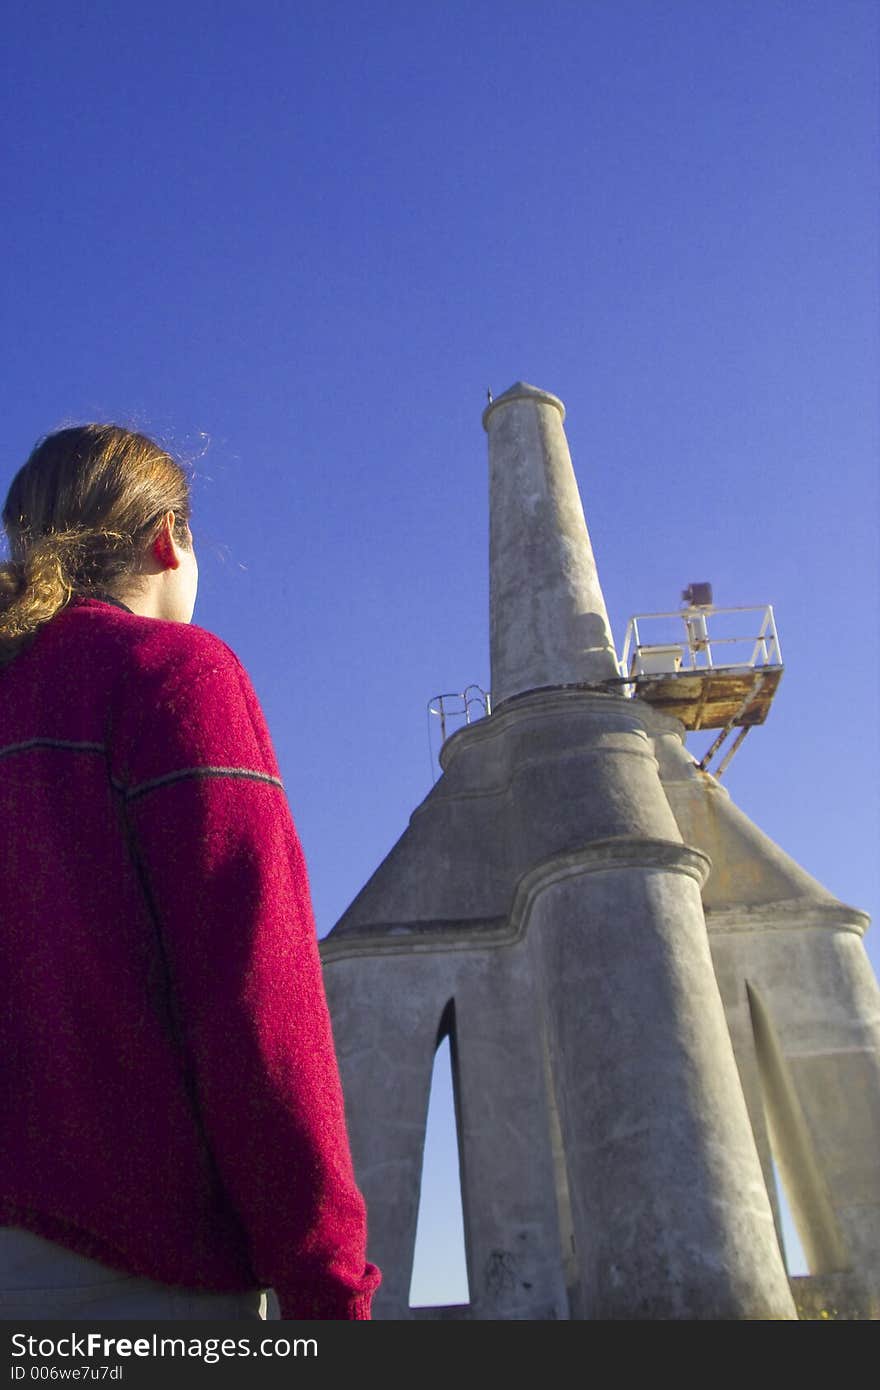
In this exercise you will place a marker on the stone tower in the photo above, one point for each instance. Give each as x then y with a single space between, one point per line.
642 992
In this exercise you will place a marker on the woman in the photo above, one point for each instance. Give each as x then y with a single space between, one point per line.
173 1131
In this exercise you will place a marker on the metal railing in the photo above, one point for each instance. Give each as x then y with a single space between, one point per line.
439 707
697 650
482 700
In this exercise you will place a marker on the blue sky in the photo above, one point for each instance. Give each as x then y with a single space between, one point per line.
298 241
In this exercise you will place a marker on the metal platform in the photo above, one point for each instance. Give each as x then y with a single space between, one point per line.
721 679
711 699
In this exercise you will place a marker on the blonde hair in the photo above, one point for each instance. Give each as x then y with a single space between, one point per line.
78 516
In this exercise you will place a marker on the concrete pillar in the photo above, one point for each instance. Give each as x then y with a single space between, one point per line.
511 1215
385 1014
671 1214
669 1207
548 622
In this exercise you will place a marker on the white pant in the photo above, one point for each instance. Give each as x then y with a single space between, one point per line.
42 1280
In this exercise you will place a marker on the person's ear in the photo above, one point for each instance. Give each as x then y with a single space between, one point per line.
163 546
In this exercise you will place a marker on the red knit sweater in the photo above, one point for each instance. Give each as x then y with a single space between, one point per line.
170 1101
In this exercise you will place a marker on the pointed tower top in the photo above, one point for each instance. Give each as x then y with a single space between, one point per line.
518 391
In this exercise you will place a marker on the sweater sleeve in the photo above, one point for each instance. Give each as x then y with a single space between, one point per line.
224 870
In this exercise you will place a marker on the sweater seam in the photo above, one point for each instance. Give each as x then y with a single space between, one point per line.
140 788
203 770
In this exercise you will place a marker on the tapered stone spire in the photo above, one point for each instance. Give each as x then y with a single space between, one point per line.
548 621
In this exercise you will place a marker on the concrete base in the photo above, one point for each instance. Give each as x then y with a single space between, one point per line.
543 906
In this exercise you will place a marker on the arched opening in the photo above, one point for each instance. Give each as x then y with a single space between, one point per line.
439 1274
792 1251
803 1200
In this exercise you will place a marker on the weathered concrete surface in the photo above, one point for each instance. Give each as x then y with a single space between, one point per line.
832 1297
670 1207
748 868
548 624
